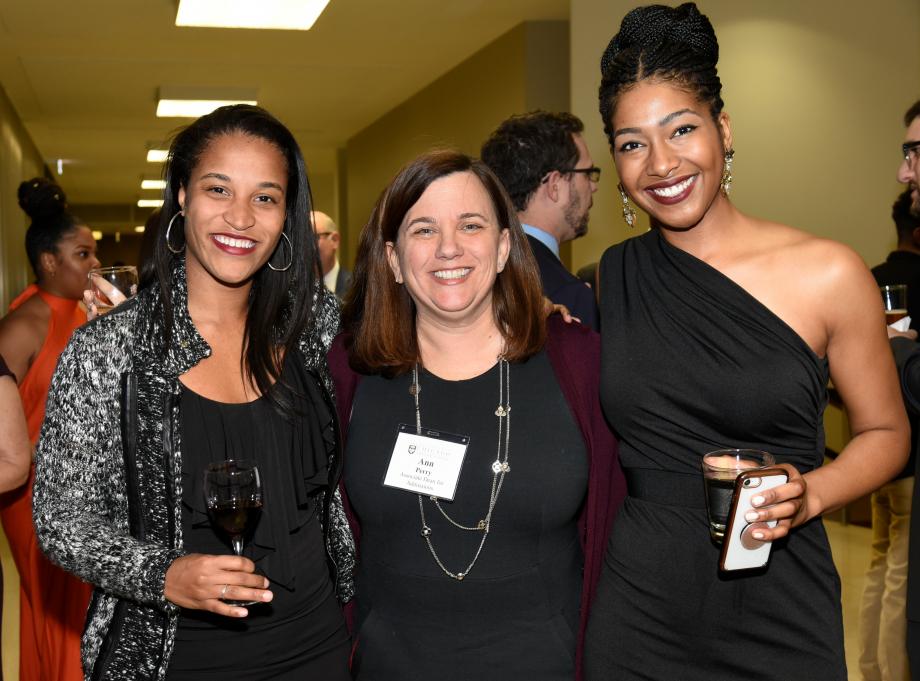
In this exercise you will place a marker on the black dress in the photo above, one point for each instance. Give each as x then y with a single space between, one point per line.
301 634
692 363
516 615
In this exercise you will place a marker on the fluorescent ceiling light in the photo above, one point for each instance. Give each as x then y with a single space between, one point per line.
194 108
298 15
157 155
139 229
150 203
97 235
153 184
192 102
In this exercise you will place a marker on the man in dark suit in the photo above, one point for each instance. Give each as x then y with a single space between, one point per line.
907 358
545 165
336 277
882 623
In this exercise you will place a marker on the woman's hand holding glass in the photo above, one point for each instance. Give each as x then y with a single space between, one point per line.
108 288
199 582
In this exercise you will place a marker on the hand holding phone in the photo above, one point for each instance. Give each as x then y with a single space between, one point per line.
740 551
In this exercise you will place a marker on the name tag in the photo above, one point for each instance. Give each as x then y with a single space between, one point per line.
426 463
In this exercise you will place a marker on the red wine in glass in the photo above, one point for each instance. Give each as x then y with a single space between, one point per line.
233 491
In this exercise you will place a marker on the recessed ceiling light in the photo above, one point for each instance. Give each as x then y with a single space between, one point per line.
192 102
157 155
139 229
297 15
150 203
97 235
153 184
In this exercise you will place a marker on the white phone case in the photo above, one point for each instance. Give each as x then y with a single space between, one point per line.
744 552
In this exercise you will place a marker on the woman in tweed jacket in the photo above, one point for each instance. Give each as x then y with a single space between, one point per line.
237 311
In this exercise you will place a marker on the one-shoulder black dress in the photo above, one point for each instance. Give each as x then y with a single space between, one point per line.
692 363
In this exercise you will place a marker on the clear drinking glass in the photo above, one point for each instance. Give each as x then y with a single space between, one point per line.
720 468
112 286
233 491
895 299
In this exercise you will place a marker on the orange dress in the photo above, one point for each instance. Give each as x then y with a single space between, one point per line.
52 602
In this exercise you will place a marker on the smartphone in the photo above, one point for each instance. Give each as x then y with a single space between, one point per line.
740 551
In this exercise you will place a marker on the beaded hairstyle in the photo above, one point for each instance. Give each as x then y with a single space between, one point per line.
674 44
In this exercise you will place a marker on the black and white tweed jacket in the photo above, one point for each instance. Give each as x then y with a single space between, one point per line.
115 521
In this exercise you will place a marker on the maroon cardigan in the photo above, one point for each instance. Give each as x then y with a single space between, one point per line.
574 353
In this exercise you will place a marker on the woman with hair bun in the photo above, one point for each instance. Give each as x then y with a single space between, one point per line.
721 331
62 251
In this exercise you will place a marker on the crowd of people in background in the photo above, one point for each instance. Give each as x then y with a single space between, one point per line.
472 463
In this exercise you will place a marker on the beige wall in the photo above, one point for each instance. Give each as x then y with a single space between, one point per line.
19 160
322 188
525 69
816 90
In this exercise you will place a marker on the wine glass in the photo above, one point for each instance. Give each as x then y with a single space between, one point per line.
233 490
111 286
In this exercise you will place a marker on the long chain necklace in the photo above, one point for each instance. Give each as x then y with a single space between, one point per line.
500 468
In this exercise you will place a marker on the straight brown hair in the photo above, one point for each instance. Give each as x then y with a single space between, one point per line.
378 316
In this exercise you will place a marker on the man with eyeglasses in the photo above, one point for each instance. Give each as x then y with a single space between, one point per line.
336 278
909 170
907 358
546 168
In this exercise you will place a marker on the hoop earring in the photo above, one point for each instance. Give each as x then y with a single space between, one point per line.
727 172
175 251
629 213
290 262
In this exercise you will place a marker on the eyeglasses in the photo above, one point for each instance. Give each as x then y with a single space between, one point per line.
593 173
911 151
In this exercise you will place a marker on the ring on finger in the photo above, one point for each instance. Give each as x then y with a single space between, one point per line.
223 591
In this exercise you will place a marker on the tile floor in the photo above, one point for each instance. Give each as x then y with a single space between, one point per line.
850 545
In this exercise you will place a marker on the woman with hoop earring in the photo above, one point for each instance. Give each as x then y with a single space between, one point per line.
224 358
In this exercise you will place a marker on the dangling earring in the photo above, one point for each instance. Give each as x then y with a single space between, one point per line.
727 172
176 251
290 262
629 213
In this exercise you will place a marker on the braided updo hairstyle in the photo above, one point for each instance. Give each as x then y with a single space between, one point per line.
46 205
674 44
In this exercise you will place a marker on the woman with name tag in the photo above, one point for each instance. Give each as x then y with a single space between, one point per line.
479 468
720 330
224 358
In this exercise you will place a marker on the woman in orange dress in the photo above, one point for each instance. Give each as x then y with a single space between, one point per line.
61 251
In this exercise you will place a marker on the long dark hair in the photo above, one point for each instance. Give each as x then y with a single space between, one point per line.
379 314
281 304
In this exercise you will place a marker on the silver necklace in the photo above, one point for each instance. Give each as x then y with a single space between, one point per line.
500 468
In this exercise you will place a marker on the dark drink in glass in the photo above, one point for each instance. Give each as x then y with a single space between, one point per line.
891 316
894 298
720 468
236 518
233 491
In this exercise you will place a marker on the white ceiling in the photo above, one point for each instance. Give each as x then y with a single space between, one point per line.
83 74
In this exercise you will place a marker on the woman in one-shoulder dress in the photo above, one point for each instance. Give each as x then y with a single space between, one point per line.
721 330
